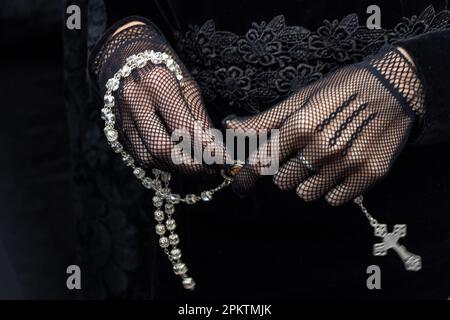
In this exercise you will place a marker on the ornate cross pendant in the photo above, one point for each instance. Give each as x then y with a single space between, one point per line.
411 261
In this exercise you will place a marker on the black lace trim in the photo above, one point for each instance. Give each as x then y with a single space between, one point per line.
251 72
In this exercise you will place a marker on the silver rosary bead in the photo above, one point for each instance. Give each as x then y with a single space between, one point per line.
206 196
174 198
108 100
117 147
129 161
164 242
169 208
191 198
159 215
141 62
112 84
125 71
188 283
157 184
146 55
139 173
180 268
160 229
131 60
162 192
175 254
157 201
170 224
165 177
169 62
110 120
104 113
111 134
147 183
155 57
174 239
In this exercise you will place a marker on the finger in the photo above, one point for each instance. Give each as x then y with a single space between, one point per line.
176 114
316 186
275 116
263 161
374 171
191 91
170 102
159 144
147 134
295 133
195 102
349 189
271 118
213 139
292 136
317 153
134 144
291 174
135 118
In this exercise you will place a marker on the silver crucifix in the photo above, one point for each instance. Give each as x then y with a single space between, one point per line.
411 261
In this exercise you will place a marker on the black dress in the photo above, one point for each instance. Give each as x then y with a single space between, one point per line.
246 56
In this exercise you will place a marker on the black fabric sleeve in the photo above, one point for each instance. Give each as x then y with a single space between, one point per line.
431 55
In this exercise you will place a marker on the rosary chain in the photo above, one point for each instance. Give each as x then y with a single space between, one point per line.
359 201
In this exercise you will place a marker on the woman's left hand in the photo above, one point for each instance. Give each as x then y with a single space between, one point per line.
340 135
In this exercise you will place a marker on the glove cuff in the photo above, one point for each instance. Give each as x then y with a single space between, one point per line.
111 51
401 78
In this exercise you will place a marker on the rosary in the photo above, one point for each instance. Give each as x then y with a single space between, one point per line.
164 200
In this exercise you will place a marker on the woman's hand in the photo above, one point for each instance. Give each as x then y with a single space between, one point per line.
340 135
154 102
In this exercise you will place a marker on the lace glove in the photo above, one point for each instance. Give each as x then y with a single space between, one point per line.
151 104
340 135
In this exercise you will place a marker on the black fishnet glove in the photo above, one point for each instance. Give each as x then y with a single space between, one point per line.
341 134
150 103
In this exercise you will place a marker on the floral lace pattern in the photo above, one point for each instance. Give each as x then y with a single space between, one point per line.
251 72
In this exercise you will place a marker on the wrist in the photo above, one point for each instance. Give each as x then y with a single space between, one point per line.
396 67
127 25
417 94
406 55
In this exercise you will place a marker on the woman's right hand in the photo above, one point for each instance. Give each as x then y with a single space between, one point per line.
154 102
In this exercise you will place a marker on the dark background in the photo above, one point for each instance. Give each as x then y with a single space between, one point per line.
37 220
58 206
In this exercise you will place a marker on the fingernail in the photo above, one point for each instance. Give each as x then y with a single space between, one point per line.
228 118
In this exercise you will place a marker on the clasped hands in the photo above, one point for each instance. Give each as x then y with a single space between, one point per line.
335 138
